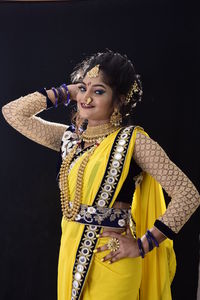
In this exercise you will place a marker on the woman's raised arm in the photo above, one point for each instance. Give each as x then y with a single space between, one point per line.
184 196
21 115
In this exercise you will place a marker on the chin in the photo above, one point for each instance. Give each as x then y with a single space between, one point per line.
86 115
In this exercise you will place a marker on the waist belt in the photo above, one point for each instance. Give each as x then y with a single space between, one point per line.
103 216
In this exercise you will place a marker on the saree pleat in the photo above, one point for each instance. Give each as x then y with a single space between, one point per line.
119 281
128 277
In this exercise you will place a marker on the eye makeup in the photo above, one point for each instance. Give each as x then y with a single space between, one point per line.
82 88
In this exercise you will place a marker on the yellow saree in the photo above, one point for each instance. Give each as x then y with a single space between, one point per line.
81 274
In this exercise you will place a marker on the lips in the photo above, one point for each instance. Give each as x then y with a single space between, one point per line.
86 106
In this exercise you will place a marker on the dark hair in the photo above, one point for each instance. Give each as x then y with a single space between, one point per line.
118 72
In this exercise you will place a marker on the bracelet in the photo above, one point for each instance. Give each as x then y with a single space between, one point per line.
61 93
68 95
149 241
141 249
150 234
56 96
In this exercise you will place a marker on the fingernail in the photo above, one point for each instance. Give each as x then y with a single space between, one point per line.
102 259
95 251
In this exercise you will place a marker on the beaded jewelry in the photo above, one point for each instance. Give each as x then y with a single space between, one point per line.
92 135
70 212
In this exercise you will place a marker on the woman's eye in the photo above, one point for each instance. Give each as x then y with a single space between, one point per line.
82 88
99 92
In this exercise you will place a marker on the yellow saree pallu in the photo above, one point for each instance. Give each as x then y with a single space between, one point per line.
81 274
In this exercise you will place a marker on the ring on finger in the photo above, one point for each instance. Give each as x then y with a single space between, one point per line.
113 244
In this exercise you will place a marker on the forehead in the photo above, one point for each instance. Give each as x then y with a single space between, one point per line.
94 80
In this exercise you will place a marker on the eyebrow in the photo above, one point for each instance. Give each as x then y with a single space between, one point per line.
96 85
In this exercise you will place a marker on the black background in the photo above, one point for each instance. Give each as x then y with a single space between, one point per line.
39 45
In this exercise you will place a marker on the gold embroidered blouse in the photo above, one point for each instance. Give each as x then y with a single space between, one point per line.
21 114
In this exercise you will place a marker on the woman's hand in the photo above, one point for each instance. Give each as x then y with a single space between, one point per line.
128 246
73 91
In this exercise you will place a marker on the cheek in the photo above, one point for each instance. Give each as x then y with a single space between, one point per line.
78 97
106 107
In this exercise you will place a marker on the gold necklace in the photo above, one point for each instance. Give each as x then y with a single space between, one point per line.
93 133
70 212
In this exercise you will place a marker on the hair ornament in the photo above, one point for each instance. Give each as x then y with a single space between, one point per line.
130 93
94 72
134 89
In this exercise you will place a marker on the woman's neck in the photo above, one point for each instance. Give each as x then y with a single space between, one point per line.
93 134
93 123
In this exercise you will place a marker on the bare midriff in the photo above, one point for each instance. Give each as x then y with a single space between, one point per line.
119 204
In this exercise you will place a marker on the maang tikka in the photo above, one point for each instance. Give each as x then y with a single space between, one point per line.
94 72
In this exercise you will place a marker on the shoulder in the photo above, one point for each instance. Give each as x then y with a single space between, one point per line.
138 132
146 147
140 140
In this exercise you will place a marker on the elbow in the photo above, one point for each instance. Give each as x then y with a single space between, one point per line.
4 111
7 113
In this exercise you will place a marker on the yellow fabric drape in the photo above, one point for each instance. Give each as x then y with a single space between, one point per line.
158 267
124 278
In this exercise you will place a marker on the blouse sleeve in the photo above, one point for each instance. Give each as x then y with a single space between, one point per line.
184 196
21 115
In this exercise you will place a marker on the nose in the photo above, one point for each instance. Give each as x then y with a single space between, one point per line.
87 95
89 100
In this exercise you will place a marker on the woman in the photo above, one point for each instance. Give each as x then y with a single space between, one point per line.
109 224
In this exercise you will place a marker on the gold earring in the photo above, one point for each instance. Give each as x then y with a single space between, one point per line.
89 100
116 118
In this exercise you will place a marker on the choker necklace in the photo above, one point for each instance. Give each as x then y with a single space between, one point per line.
93 133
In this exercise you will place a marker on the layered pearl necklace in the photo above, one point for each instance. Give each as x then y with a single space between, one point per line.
91 135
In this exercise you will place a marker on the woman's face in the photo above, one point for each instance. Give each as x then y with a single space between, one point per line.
101 107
